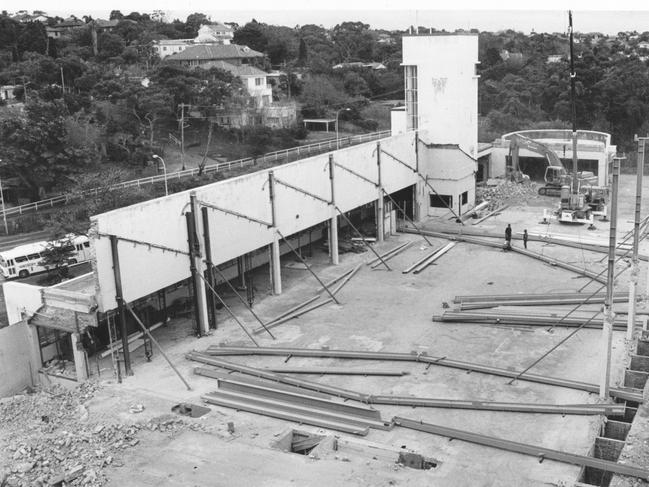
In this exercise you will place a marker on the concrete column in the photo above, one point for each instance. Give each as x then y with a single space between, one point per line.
275 268
635 270
333 222
34 352
80 365
197 251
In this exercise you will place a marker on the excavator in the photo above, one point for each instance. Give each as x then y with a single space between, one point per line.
555 176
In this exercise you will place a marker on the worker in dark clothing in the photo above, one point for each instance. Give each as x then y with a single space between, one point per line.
508 237
525 236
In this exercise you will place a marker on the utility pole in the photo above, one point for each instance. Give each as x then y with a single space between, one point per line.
609 315
62 79
635 267
182 135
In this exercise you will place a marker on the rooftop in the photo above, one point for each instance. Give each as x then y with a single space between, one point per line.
217 51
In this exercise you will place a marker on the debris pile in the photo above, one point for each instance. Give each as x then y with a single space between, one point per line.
506 192
51 438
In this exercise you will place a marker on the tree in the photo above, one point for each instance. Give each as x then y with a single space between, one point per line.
32 38
36 148
110 45
320 94
303 55
194 22
353 41
56 258
251 35
116 15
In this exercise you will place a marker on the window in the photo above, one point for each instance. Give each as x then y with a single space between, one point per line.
259 81
465 198
22 258
86 244
412 113
34 256
164 48
441 201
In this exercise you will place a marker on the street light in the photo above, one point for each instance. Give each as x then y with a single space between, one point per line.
337 115
164 168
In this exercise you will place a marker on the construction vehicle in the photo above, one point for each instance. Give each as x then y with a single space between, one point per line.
578 205
555 176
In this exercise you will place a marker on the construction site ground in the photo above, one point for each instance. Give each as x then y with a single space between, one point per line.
380 310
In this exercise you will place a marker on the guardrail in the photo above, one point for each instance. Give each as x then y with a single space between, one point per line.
281 155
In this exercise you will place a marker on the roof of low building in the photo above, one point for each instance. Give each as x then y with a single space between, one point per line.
215 51
244 70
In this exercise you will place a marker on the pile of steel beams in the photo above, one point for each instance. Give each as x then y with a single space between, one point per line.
537 299
209 358
502 317
543 258
295 406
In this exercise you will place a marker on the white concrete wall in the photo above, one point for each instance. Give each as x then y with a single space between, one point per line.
398 121
19 359
447 87
145 270
451 172
21 298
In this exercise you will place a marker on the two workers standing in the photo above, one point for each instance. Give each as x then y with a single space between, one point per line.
508 237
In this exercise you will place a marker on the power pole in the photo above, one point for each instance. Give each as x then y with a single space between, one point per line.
182 135
609 315
635 268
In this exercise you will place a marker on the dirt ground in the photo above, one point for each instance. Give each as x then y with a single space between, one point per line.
380 310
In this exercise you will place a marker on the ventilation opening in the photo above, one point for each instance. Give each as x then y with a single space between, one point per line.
191 410
299 442
416 461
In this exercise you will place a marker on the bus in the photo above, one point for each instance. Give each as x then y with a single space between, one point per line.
25 260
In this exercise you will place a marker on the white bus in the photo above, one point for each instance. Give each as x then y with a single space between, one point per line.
24 260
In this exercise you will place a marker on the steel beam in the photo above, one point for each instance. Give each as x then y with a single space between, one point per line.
313 386
235 213
543 258
269 390
536 451
289 416
579 409
531 296
421 261
336 371
620 393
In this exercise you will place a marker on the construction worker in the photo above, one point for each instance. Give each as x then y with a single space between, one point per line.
508 237
525 236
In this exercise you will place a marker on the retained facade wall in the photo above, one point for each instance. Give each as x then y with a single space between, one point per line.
161 221
447 87
19 362
21 298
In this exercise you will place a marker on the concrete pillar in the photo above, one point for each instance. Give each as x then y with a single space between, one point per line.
333 237
275 268
34 351
197 251
80 359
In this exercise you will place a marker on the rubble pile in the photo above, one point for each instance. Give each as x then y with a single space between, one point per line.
506 192
50 438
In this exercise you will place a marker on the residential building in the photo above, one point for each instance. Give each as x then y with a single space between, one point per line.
64 28
212 34
554 58
254 80
201 54
7 92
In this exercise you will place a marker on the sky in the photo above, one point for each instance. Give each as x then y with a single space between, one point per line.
548 16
